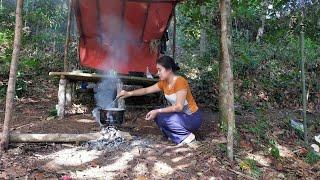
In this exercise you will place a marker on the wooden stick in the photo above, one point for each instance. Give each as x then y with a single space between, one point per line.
58 138
174 32
13 76
66 46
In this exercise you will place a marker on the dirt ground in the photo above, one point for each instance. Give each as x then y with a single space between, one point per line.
146 156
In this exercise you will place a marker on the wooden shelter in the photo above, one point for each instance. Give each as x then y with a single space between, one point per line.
139 25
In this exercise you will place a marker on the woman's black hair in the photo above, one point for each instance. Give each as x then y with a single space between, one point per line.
168 63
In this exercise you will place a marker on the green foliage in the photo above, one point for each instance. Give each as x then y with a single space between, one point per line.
259 128
53 112
250 165
42 43
274 150
6 40
312 157
272 65
3 89
222 148
21 86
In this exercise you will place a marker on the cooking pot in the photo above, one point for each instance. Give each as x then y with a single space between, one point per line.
111 116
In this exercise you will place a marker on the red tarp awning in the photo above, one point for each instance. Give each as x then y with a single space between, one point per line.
117 33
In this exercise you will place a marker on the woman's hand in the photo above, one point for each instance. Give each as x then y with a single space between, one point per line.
124 94
151 115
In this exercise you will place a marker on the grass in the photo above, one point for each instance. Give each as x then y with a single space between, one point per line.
259 128
312 157
274 150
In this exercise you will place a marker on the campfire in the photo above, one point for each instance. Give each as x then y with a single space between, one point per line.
110 138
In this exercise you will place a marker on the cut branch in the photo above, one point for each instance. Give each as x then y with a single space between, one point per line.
12 77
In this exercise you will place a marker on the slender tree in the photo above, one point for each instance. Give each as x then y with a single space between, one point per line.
65 98
12 76
226 92
203 33
303 76
263 20
67 43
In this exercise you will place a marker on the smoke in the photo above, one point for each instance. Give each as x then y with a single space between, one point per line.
115 39
106 90
105 93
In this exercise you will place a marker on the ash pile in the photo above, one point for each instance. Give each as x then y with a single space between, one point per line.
110 138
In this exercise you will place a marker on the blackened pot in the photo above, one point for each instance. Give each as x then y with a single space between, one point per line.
111 116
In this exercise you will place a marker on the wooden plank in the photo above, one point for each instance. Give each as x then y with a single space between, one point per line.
80 76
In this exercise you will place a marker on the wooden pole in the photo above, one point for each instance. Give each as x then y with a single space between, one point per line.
63 81
174 33
66 47
62 97
226 91
13 76
303 77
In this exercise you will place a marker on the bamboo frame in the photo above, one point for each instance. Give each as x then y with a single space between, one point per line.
79 76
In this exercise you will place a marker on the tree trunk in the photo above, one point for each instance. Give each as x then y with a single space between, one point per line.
13 76
303 76
62 96
263 20
226 91
318 13
66 47
27 12
174 33
203 34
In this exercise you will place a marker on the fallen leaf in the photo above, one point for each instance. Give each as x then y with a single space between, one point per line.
279 166
141 178
246 145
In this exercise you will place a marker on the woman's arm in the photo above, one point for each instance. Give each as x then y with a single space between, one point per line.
140 92
178 107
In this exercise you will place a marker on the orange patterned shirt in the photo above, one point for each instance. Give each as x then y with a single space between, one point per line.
190 106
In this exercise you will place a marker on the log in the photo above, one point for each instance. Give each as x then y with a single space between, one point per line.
57 138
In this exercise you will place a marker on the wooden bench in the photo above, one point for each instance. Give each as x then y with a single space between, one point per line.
68 81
